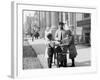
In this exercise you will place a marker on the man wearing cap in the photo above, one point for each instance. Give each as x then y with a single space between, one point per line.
59 36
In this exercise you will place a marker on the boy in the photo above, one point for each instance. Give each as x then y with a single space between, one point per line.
50 45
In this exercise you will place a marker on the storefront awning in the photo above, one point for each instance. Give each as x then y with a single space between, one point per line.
83 22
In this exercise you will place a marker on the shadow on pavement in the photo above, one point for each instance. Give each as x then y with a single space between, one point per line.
30 60
28 51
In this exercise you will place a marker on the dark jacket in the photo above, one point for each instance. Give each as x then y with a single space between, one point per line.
72 48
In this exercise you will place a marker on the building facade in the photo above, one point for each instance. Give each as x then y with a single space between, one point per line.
78 23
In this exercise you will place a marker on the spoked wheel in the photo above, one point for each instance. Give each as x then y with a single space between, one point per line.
61 60
57 61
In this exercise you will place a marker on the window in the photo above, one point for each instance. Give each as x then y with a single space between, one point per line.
86 15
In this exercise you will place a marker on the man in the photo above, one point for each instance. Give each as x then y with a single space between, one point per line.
59 36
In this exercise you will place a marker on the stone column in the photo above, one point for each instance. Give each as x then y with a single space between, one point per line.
72 20
64 17
48 19
42 23
72 23
54 22
65 20
60 16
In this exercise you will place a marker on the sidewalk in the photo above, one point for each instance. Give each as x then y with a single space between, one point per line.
30 60
82 59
